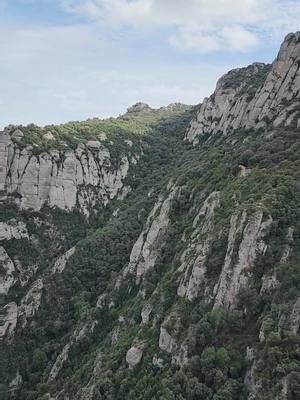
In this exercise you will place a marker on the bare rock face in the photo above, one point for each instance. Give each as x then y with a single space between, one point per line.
287 248
31 302
148 246
62 179
16 383
289 322
294 320
8 320
194 257
7 270
134 355
245 242
13 229
61 262
78 335
61 359
166 342
253 97
137 107
145 314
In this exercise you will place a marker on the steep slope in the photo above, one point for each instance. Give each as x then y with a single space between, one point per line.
259 96
178 280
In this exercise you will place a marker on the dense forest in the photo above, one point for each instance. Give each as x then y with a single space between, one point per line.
157 255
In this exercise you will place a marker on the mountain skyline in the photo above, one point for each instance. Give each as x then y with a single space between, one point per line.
72 60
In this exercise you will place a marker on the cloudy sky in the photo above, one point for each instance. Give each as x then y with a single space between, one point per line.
64 60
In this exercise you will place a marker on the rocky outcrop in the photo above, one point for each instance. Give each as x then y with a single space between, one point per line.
137 107
31 302
145 314
15 384
11 313
287 247
134 355
78 335
194 257
62 179
294 319
7 269
150 242
60 360
166 342
245 242
289 322
249 380
8 320
61 262
13 229
254 97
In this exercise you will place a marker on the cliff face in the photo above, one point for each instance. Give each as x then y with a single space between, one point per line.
259 96
134 265
65 179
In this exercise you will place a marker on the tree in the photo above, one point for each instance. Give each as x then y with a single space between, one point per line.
39 359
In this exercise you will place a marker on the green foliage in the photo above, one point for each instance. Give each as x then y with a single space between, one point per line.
216 339
39 359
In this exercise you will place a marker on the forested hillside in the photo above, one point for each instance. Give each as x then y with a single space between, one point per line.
157 255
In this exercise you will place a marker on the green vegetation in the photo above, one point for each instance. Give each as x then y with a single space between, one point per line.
216 340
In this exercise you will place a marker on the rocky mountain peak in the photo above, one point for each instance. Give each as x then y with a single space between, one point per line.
138 107
258 96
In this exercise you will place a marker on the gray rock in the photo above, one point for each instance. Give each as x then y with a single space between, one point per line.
61 179
194 257
134 355
31 302
7 270
61 262
137 107
166 342
145 314
17 135
235 273
8 320
230 107
148 246
13 229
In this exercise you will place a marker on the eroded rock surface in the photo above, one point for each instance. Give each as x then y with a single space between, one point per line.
7 269
245 242
194 257
60 178
253 97
148 246
31 302
13 229
166 341
61 262
8 320
134 355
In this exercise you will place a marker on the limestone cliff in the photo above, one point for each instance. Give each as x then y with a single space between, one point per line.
258 96
64 178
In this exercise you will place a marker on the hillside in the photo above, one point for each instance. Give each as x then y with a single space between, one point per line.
157 255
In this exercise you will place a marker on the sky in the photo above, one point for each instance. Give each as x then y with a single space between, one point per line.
66 60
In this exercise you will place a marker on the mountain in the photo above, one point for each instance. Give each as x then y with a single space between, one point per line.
157 255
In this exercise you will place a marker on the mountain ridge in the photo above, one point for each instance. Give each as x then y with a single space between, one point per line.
172 275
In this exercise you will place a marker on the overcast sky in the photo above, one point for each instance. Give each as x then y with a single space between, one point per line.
63 60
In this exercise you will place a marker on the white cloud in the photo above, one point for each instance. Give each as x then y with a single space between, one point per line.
56 74
197 25
51 73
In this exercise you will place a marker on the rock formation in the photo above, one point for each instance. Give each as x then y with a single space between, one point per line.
62 179
147 248
254 97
